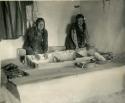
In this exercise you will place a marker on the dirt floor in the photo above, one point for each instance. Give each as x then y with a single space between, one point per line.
112 98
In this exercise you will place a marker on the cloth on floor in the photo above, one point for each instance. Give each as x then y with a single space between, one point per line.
67 55
11 70
81 52
108 55
57 56
96 58
119 58
85 65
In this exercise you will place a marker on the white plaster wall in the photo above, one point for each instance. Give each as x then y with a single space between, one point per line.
106 24
57 15
8 48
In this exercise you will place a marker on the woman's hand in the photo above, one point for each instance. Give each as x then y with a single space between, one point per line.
37 56
45 56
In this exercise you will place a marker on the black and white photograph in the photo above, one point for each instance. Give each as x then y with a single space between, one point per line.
62 51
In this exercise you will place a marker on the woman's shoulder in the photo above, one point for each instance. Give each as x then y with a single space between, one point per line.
45 31
31 30
73 26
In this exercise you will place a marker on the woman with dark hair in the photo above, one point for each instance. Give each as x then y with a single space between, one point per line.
78 36
36 38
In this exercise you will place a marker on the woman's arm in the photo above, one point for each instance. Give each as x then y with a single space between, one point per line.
74 37
45 42
86 35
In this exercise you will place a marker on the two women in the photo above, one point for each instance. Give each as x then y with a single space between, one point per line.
36 39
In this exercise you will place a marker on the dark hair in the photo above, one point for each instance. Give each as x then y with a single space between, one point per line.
79 16
38 20
76 21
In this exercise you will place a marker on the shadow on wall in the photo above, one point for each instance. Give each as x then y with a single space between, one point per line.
68 29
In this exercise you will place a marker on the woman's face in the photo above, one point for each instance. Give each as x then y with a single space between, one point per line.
40 25
80 21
